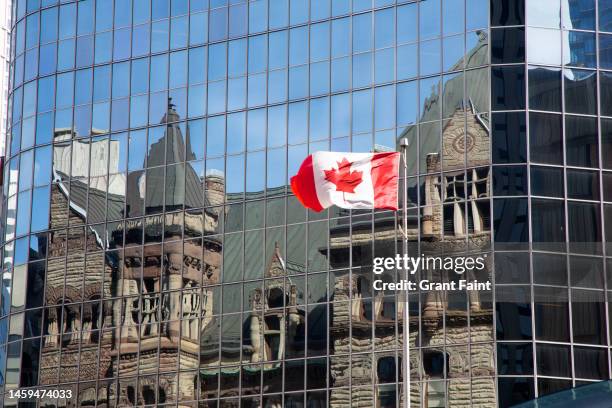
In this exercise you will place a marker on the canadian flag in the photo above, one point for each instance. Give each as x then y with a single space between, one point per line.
348 180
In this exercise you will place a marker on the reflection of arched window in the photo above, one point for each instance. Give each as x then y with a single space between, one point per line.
359 309
275 298
385 369
363 286
435 363
162 395
131 394
148 394
388 309
95 313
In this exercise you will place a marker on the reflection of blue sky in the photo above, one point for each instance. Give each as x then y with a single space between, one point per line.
453 51
234 178
430 57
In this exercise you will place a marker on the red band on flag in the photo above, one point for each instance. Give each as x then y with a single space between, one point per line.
304 188
385 169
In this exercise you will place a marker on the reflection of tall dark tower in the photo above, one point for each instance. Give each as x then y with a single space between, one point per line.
154 325
165 170
158 323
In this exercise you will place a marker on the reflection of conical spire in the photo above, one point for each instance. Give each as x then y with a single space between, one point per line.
184 184
175 144
276 266
190 155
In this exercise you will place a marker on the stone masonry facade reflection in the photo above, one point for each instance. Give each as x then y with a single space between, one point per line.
164 261
153 254
163 312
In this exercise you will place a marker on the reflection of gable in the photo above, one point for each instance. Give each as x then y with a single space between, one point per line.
452 95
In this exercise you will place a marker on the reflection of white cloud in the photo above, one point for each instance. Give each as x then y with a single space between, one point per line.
566 20
215 172
544 46
543 13
83 159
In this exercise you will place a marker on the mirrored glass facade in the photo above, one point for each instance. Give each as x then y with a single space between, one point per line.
152 251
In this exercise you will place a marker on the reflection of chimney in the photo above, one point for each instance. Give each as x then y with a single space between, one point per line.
214 184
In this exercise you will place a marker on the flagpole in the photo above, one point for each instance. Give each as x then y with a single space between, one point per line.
406 313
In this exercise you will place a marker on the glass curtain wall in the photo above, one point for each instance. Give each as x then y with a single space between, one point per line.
153 252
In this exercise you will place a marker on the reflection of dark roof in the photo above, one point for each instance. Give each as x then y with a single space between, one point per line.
452 96
171 149
92 203
95 208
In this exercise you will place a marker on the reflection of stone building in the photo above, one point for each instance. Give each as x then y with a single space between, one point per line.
153 324
135 324
451 334
272 329
135 309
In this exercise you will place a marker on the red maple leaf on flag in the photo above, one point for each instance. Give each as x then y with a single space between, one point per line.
344 179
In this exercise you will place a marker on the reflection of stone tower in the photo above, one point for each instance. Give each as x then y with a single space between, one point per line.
152 325
164 307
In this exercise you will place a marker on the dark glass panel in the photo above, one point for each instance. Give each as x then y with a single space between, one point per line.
605 51
509 137
581 141
551 314
548 224
606 142
512 267
513 310
549 269
36 284
605 88
30 355
545 89
509 180
507 12
510 221
586 272
549 385
514 358
607 186
547 181
545 138
582 184
507 45
584 226
514 390
33 323
580 91
588 316
608 222
591 363
554 360
508 87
